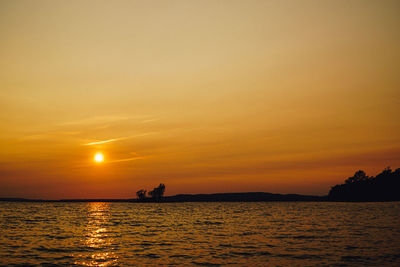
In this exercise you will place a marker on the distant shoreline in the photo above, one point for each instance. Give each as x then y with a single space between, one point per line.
218 197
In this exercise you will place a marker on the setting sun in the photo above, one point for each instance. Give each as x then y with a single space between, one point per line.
98 157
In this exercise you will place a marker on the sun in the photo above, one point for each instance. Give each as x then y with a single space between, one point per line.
98 157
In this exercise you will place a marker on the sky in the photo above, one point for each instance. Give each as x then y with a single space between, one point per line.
203 96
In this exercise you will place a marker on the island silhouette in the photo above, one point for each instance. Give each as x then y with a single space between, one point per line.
358 188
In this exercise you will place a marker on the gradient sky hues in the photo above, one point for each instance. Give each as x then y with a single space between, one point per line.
204 96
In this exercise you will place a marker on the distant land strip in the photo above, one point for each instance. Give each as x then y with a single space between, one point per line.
219 197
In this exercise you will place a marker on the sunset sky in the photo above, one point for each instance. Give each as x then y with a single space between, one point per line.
204 96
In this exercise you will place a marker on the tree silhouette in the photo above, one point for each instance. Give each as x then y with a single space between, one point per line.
359 176
384 187
141 194
158 192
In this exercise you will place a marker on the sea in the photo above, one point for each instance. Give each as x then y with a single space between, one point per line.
200 234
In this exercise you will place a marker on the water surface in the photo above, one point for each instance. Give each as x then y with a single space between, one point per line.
268 233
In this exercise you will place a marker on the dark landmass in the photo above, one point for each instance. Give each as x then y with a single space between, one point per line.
220 197
242 197
383 187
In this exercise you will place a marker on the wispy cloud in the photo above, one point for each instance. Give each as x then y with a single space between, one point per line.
116 139
149 120
46 135
96 120
126 159
108 119
100 142
111 161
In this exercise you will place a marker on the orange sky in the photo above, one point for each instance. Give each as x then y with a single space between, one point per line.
204 96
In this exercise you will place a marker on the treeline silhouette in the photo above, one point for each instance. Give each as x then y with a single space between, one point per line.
360 187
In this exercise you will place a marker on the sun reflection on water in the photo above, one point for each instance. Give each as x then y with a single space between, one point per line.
97 239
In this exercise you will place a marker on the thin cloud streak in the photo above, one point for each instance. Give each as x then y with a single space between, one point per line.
108 161
127 159
150 120
49 134
117 139
100 142
95 120
108 119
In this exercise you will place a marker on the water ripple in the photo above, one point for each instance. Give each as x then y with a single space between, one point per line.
203 234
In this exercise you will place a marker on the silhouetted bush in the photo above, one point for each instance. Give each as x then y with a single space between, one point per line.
141 194
384 187
158 192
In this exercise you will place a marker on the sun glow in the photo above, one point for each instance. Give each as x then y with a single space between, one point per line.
98 157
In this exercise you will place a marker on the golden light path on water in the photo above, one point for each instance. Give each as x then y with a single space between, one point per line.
97 237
